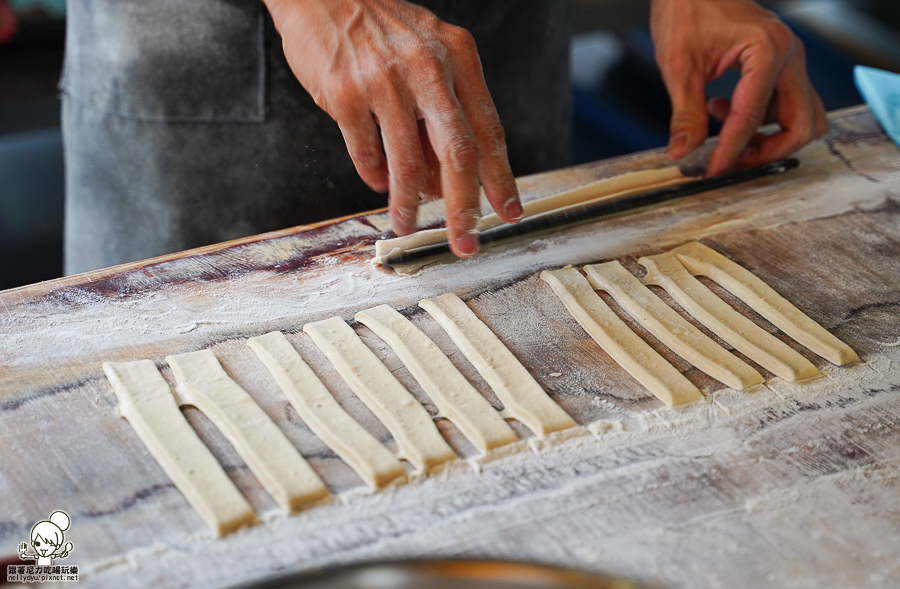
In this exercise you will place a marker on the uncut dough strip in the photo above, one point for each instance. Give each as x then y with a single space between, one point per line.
281 470
671 328
759 296
757 344
412 427
522 397
318 409
454 396
148 404
615 187
618 340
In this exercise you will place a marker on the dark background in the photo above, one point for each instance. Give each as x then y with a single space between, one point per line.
619 102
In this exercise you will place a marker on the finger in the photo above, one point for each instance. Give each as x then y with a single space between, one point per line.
688 127
771 115
822 124
719 107
748 107
493 164
455 148
364 146
432 187
796 115
406 163
821 117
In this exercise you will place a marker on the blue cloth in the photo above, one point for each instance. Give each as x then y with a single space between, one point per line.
881 91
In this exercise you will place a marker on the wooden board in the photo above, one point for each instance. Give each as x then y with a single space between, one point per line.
790 485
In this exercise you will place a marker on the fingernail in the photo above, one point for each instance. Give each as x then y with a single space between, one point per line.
467 244
513 209
678 145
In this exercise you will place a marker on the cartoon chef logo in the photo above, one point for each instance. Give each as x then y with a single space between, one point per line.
47 540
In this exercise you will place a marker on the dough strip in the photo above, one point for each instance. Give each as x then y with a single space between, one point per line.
615 187
409 423
454 396
759 296
618 340
318 409
719 317
148 404
671 328
281 470
522 397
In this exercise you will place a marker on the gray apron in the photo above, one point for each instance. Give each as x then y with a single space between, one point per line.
184 126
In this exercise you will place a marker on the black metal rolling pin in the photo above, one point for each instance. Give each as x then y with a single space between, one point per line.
602 209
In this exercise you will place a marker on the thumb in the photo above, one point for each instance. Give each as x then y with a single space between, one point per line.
689 118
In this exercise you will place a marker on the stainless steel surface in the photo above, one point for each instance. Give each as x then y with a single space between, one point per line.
445 574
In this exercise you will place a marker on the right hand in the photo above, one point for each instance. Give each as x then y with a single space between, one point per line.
696 41
394 65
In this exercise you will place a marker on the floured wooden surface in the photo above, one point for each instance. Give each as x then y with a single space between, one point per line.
789 485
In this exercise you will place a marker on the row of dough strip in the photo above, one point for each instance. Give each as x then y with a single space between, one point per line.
319 410
522 396
666 271
671 328
455 397
409 423
146 401
674 272
152 408
701 260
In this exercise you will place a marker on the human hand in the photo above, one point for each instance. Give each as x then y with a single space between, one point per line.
697 41
394 65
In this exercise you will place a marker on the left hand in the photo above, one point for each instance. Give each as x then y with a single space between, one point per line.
398 79
696 41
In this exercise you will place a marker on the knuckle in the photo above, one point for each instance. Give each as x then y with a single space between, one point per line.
367 157
779 36
686 119
377 78
419 53
460 39
805 132
427 61
466 218
433 68
428 21
462 155
675 61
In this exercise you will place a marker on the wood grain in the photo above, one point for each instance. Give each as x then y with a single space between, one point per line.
791 485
